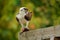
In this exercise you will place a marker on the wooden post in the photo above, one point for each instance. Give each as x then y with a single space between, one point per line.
52 38
39 34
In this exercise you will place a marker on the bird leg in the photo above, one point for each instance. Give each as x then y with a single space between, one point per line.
23 28
21 23
27 24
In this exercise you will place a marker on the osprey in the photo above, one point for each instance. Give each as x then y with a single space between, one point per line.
23 17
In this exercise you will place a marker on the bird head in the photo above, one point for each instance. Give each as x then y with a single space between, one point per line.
23 10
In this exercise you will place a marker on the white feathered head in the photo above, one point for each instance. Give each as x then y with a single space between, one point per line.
23 10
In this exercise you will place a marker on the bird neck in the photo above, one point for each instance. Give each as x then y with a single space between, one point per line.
22 13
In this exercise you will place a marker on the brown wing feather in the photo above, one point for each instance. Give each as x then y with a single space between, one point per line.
28 16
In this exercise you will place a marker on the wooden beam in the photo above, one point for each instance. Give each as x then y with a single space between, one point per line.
42 33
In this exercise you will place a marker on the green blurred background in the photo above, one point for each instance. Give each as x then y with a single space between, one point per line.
45 13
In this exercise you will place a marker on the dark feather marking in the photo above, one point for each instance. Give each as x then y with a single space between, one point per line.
26 9
17 19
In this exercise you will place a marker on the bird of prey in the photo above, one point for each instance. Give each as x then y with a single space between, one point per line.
24 17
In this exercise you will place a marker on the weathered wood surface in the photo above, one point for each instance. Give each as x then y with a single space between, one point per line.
39 34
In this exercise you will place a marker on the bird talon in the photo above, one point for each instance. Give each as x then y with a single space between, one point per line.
25 30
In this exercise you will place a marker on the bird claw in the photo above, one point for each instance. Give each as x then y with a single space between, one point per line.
25 30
